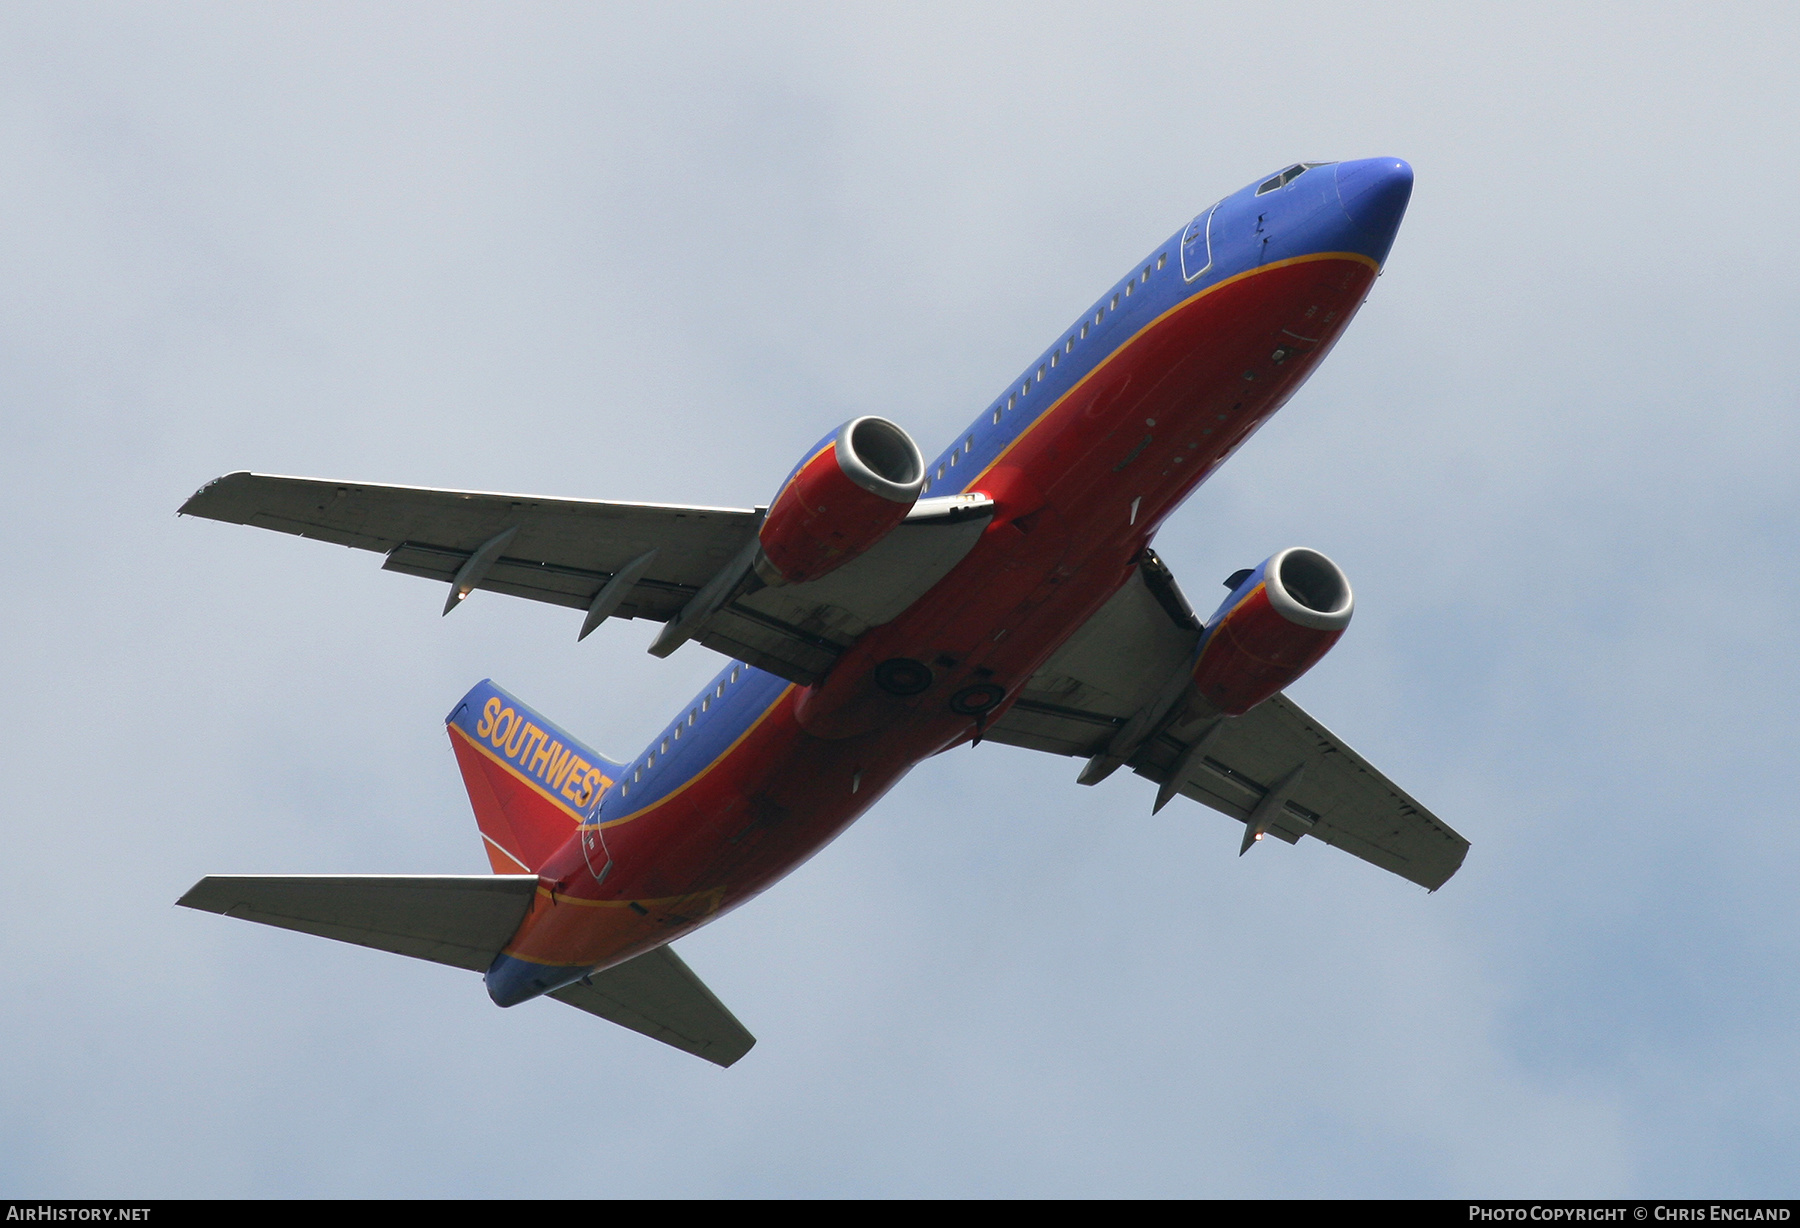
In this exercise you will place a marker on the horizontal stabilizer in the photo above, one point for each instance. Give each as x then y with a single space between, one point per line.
657 994
463 920
458 919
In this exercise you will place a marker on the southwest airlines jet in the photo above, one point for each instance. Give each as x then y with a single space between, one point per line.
880 610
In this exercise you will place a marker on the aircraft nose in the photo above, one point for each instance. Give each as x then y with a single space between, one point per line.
1374 192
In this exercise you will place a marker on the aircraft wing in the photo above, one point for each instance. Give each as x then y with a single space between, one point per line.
1119 663
463 920
562 552
569 551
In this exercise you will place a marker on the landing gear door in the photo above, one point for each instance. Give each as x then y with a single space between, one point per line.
1196 246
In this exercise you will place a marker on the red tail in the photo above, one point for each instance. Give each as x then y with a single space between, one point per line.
530 783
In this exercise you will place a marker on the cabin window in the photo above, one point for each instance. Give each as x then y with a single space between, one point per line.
1069 346
1040 375
1129 287
637 775
1084 329
677 733
1054 357
692 714
940 473
734 673
651 761
953 460
1115 302
719 691
665 746
968 443
1162 260
1025 387
1012 400
996 417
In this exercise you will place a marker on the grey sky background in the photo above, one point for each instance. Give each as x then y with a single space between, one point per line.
651 253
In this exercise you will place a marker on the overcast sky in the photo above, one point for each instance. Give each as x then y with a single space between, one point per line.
652 253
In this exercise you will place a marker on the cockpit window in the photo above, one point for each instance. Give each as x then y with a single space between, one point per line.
1288 176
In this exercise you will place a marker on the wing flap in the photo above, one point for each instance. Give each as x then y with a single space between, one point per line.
1114 664
337 535
557 584
1038 724
659 995
457 919
877 586
798 630
1340 799
564 550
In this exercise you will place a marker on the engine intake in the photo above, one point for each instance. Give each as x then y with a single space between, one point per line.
1279 620
852 489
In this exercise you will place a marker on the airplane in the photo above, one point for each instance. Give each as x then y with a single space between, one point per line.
881 610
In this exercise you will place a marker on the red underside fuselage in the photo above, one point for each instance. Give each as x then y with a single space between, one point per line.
1078 493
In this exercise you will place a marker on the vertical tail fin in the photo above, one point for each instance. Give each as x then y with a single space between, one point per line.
531 783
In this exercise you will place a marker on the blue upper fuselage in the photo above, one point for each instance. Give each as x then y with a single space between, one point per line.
1305 209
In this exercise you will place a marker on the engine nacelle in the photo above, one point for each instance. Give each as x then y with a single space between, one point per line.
847 494
1277 623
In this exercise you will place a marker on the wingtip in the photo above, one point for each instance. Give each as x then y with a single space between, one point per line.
727 1063
191 897
189 506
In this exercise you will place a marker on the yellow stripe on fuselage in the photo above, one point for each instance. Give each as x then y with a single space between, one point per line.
801 468
665 901
1185 303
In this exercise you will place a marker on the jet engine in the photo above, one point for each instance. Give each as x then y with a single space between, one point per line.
849 493
1280 619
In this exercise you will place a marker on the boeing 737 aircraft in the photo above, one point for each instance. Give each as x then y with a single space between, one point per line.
882 609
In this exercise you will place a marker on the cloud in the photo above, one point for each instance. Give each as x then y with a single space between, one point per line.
610 253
